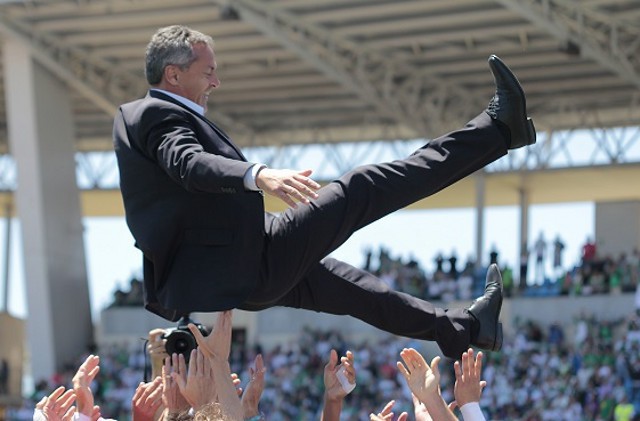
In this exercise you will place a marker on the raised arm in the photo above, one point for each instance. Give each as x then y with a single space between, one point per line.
468 386
334 389
424 381
254 389
82 385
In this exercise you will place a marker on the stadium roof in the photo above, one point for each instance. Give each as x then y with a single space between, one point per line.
308 71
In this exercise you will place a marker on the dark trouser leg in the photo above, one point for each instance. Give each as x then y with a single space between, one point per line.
301 237
337 288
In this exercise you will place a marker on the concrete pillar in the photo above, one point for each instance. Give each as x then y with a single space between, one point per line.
523 194
41 135
480 201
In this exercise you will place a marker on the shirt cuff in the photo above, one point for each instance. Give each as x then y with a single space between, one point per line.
250 177
471 412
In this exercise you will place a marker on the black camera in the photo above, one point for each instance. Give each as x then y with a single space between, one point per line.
180 340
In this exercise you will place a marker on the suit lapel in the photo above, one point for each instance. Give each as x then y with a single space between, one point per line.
219 131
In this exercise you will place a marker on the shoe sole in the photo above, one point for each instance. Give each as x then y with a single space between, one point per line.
497 344
531 132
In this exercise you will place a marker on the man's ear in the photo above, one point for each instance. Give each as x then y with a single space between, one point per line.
171 74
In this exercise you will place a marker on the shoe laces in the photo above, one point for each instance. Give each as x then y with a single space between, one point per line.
492 108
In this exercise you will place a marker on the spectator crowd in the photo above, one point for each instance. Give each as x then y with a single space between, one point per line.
583 369
588 369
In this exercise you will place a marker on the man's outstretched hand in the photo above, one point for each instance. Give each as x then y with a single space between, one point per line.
290 186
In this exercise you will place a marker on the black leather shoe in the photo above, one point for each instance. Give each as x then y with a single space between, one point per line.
509 105
486 311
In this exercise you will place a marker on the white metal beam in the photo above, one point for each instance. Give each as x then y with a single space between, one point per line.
597 36
100 81
419 103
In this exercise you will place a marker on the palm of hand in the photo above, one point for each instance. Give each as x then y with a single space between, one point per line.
423 381
82 384
171 395
254 389
333 388
173 399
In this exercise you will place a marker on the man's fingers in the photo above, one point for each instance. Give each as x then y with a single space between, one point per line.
333 360
303 189
70 414
139 391
193 363
182 365
387 408
466 367
199 338
478 364
156 392
259 362
304 179
434 366
42 403
403 370
286 199
179 381
458 370
67 400
199 357
53 397
93 373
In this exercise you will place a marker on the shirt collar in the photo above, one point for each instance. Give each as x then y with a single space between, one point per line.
187 102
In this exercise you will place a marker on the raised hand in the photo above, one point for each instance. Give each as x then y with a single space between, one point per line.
199 386
288 185
173 400
387 415
58 405
424 382
157 351
82 384
254 389
218 343
422 379
468 386
332 386
146 400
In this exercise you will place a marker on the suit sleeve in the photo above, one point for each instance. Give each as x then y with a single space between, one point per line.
170 139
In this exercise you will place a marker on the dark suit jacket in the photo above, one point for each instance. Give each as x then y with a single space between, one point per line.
201 233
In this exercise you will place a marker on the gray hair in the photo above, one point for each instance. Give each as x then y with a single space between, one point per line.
171 45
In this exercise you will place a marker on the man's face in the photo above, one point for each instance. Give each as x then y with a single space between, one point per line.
198 80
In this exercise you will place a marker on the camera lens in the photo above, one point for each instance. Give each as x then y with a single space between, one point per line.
180 342
181 346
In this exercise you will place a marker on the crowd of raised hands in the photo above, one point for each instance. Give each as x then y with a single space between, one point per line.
203 388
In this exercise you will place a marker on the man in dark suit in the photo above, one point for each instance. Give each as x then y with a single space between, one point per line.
195 207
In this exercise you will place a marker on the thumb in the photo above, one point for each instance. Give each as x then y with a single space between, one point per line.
453 405
306 173
198 335
434 366
333 360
